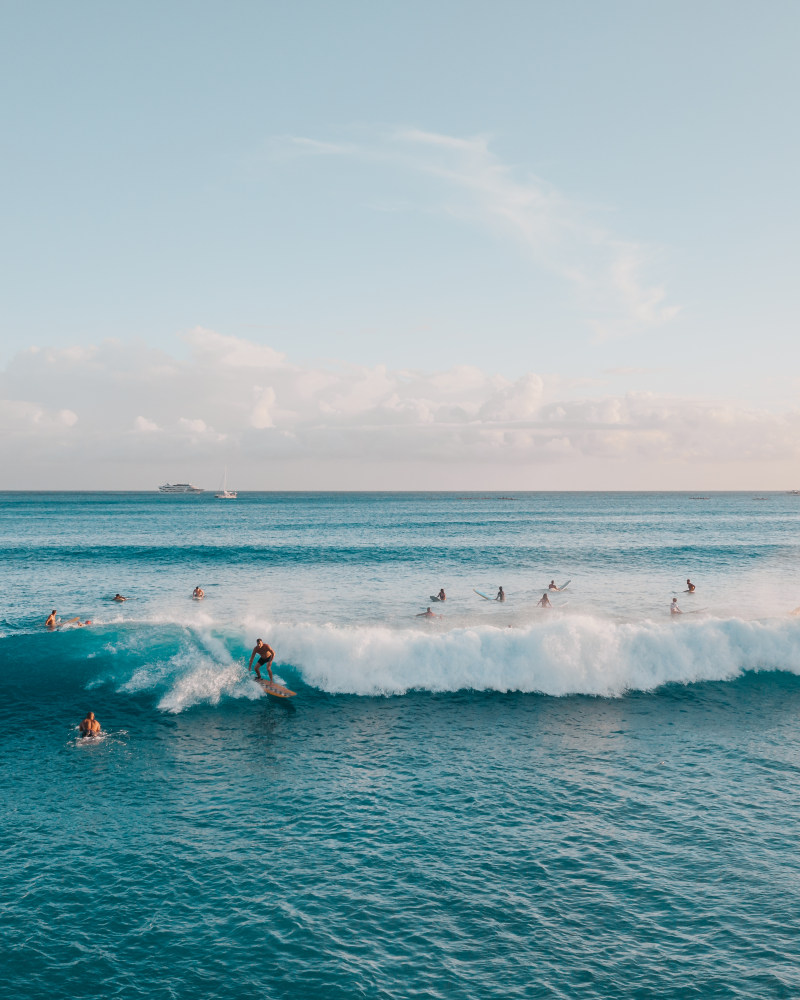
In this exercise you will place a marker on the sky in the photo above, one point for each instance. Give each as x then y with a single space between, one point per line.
418 245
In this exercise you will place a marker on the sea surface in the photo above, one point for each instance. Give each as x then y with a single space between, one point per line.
597 800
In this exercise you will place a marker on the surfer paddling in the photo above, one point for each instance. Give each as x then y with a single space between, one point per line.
90 726
673 608
265 654
54 623
119 597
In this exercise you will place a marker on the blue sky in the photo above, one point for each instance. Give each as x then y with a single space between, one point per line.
603 195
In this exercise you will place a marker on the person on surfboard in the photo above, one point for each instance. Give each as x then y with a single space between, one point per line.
501 595
52 621
690 587
198 593
90 726
544 602
673 608
427 614
441 595
266 654
553 585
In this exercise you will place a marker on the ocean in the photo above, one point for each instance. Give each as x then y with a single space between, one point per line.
595 800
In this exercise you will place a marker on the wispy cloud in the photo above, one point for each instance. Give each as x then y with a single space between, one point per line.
559 234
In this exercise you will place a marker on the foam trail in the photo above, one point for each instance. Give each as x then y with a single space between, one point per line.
201 671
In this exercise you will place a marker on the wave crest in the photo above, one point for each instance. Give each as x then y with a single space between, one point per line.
571 656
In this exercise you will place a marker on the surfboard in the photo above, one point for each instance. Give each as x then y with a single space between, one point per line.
484 596
273 688
435 600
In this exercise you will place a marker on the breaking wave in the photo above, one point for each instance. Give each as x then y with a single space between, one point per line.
180 666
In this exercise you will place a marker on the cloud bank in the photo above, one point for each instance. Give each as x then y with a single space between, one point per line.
127 416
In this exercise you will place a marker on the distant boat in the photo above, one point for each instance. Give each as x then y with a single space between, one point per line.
226 494
179 488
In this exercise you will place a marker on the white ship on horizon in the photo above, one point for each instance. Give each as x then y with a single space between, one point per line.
179 488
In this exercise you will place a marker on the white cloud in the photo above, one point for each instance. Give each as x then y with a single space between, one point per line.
561 235
193 426
144 425
21 416
350 421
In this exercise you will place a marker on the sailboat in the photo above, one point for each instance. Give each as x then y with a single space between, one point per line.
226 494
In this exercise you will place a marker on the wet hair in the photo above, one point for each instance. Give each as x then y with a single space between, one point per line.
259 640
53 611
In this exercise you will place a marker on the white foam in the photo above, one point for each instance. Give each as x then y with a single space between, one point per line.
576 655
579 655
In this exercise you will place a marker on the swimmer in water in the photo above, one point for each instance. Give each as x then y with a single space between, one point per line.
265 654
545 601
119 597
501 595
690 586
673 608
553 585
198 593
52 621
427 614
90 726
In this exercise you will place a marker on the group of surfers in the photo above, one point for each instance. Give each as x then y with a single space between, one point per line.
53 622
545 602
90 727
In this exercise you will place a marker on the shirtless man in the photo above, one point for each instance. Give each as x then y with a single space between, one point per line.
427 614
553 585
266 654
544 602
501 595
690 587
52 621
441 595
673 608
90 726
198 593
119 597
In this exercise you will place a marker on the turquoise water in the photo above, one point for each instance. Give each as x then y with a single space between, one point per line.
593 801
